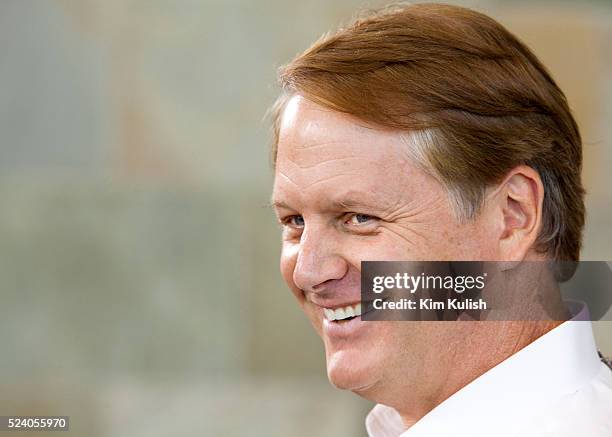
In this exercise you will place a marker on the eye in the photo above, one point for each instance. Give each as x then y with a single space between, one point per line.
360 219
294 221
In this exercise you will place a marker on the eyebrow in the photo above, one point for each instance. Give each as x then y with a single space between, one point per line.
349 203
278 204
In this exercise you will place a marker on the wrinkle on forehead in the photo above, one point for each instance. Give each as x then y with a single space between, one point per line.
346 151
306 174
305 166
306 186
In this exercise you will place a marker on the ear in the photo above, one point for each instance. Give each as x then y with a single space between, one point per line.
519 204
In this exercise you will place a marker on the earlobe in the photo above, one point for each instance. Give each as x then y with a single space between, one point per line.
522 195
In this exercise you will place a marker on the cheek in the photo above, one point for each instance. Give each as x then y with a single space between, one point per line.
466 242
288 259
382 250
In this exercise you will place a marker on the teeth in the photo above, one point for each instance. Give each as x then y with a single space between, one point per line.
329 314
342 313
339 314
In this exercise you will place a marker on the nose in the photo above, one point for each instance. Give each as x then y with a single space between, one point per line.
318 261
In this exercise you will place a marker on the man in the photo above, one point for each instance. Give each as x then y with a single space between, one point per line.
429 132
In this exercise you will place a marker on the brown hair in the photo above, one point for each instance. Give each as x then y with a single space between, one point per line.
478 100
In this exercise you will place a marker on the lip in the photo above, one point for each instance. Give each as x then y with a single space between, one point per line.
349 328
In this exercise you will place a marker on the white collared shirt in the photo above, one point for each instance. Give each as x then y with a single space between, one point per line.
556 386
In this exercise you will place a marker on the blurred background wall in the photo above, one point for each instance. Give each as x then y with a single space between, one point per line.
139 287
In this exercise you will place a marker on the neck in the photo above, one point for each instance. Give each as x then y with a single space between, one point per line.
489 344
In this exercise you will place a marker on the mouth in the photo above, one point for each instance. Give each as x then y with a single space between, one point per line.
342 314
343 323
347 313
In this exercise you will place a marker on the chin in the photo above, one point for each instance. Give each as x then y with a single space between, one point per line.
351 370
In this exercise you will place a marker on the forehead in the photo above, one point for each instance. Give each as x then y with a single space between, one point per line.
322 153
309 131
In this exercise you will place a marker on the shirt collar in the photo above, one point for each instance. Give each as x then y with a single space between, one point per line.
557 363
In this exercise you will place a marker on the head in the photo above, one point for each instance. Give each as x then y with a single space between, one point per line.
426 132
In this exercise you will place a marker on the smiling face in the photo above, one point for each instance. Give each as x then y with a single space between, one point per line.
344 193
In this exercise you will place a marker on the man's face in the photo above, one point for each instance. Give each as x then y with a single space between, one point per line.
346 193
